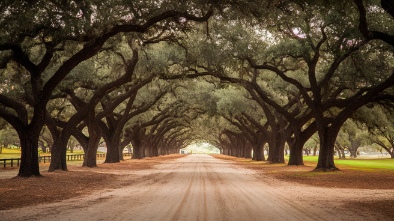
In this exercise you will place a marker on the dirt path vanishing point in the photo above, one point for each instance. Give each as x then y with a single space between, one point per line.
200 187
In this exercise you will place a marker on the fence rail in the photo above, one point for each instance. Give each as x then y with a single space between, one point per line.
11 161
46 159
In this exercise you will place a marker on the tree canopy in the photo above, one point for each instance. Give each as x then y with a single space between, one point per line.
160 75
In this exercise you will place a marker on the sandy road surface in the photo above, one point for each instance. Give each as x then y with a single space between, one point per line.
200 187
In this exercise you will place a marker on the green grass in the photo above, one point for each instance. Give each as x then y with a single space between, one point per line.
358 163
10 153
310 159
16 153
367 163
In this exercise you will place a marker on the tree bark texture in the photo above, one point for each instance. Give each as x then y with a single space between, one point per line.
29 154
90 159
326 154
296 158
258 153
59 154
113 151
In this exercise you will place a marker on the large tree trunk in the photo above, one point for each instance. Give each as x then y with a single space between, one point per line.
29 137
272 140
113 139
138 151
327 137
297 146
59 147
138 144
113 151
90 159
29 156
279 156
120 153
248 152
59 153
278 150
296 157
258 152
297 143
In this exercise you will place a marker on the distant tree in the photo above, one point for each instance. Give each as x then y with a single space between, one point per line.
352 137
113 126
380 123
46 141
8 137
235 105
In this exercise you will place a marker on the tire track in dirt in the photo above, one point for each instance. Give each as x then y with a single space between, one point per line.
205 200
184 199
214 181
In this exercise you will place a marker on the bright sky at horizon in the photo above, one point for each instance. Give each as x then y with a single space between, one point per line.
202 148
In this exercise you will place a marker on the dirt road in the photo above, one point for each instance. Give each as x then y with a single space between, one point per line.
200 187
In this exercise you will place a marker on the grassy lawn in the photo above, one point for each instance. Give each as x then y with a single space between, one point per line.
16 153
358 164
385 163
10 153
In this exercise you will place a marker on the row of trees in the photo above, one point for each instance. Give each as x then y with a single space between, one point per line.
162 75
72 55
309 69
